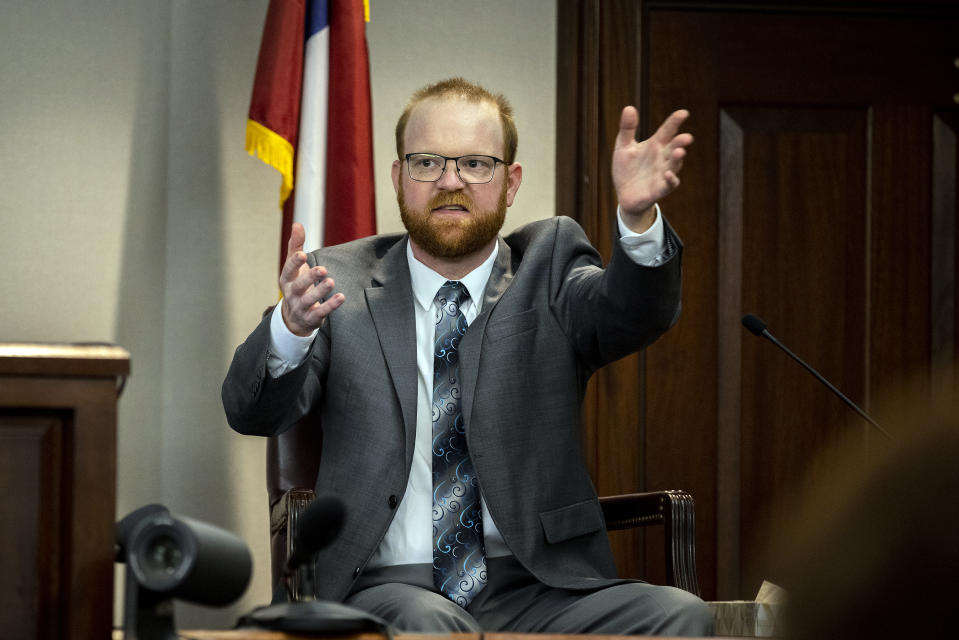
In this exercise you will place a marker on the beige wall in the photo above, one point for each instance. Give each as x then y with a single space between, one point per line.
130 213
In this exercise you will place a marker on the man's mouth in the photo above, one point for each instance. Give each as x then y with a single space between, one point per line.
451 207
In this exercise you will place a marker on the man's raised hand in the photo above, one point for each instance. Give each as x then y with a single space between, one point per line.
645 172
304 288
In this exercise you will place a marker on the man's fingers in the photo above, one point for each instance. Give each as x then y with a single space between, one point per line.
320 310
297 239
676 156
307 313
306 310
665 135
299 285
322 289
628 122
667 131
682 140
292 267
295 258
309 286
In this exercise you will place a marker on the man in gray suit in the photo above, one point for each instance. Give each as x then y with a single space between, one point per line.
447 366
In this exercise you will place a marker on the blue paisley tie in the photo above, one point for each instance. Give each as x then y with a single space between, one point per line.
459 559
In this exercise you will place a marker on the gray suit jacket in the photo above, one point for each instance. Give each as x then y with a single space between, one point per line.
551 316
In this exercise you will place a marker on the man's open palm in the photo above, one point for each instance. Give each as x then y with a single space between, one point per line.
645 172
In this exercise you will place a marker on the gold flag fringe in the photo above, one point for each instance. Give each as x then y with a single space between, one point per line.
274 150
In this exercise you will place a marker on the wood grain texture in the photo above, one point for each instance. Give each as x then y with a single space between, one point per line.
58 431
821 195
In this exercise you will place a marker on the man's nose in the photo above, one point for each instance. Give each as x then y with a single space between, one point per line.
450 178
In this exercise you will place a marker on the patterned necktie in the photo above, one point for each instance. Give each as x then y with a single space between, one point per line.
459 559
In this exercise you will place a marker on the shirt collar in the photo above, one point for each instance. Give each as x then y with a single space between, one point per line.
427 282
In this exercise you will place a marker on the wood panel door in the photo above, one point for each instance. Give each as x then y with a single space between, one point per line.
820 194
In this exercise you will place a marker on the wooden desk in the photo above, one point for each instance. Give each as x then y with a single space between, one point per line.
58 458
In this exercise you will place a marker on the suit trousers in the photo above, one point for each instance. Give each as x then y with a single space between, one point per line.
515 601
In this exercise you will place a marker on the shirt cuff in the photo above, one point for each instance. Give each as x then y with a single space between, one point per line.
648 248
287 350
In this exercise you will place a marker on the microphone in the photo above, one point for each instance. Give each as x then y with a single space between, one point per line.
316 527
757 327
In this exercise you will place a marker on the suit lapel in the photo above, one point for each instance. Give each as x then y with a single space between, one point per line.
390 300
471 346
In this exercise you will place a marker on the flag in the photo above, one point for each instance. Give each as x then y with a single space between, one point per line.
274 117
311 119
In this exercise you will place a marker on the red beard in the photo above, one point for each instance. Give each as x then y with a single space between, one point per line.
452 238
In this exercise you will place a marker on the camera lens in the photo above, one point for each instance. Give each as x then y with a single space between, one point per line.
163 555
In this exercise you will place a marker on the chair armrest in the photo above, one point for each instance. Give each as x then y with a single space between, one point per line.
676 511
284 513
287 509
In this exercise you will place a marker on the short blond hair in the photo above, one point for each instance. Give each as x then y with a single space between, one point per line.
460 88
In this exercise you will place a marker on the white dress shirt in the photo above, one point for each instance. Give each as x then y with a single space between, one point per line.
409 540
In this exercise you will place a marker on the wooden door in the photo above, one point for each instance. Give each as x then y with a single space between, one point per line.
820 194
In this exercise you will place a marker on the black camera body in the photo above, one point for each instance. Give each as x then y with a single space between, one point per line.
170 557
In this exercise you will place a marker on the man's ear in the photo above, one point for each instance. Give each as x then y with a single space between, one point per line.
395 175
514 176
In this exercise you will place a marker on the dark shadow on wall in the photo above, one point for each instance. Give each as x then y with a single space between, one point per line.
141 284
141 289
197 462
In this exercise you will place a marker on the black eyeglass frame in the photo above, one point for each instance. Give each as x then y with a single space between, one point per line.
456 163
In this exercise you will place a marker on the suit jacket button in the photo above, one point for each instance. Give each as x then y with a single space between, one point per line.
356 572
393 502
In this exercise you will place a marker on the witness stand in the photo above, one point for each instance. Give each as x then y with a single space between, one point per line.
58 458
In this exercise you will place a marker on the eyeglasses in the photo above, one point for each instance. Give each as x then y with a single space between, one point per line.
430 167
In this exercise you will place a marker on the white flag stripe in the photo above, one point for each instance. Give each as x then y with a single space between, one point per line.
310 183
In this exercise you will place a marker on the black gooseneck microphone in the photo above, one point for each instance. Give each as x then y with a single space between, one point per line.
316 527
757 327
